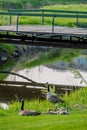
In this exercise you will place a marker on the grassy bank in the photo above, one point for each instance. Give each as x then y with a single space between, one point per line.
6 48
9 119
52 55
7 51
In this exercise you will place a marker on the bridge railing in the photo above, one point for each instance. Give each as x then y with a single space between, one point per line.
56 13
45 13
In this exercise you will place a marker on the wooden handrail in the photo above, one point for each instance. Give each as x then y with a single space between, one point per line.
39 84
46 10
44 13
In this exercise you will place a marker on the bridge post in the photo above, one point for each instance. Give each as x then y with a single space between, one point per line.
17 23
42 17
77 19
53 23
10 20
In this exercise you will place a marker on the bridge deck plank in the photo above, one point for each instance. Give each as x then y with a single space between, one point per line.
46 29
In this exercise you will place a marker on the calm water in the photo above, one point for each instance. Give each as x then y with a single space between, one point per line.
44 74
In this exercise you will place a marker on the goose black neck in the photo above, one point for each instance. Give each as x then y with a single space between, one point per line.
22 106
48 88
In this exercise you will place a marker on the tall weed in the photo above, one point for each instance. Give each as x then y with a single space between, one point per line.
77 98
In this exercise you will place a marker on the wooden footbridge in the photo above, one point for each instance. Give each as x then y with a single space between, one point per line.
44 35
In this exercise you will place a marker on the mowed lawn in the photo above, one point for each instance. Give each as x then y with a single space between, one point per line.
77 120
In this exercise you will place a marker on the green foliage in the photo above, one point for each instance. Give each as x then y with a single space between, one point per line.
7 66
69 55
5 47
78 75
77 98
53 55
6 4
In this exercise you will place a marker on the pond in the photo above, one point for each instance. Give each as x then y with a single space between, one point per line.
45 74
55 73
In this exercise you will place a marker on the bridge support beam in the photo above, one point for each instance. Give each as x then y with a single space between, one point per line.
50 40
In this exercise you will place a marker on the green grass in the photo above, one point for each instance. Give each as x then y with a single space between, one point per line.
45 122
8 48
77 120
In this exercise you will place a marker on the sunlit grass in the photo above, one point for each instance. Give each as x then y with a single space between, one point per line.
45 122
73 7
30 20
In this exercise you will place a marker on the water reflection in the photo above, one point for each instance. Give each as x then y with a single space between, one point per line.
45 74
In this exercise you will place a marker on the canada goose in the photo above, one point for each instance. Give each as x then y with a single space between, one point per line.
52 97
61 111
50 111
27 112
64 111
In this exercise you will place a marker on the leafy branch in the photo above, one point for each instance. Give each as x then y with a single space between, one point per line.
78 75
